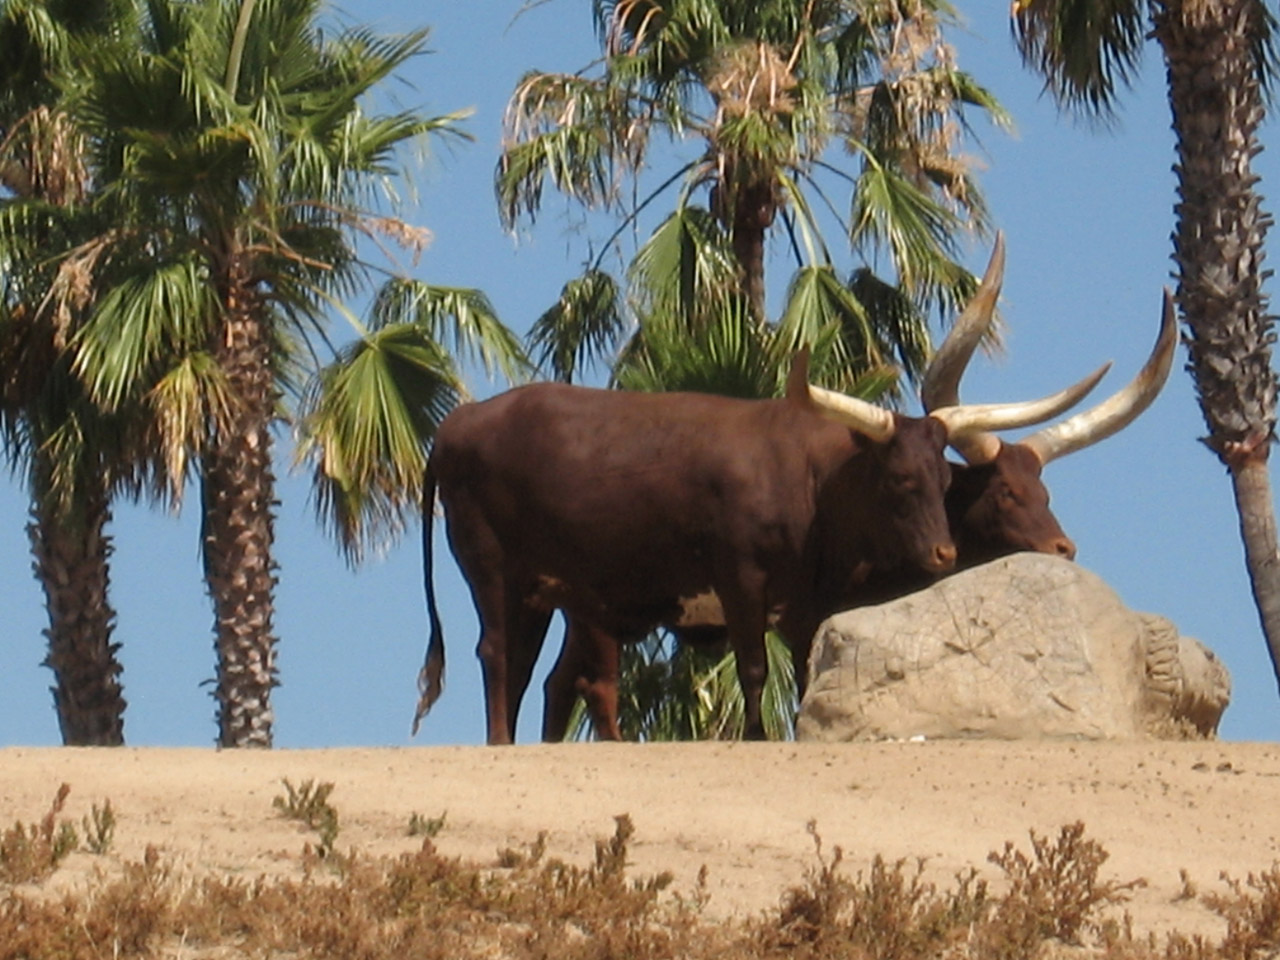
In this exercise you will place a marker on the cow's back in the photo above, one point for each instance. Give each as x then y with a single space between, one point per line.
626 500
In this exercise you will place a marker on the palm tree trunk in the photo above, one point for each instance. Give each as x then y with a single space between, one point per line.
1215 97
753 214
1251 482
239 501
71 560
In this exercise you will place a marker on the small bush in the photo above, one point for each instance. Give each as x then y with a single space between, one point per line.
100 828
309 804
30 853
420 826
1252 913
1053 893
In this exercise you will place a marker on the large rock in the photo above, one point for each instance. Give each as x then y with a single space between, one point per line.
1028 646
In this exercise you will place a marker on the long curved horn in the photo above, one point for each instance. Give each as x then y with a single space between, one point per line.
940 386
1121 408
942 377
875 422
966 421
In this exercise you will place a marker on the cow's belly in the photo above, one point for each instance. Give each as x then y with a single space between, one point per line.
700 610
627 615
696 611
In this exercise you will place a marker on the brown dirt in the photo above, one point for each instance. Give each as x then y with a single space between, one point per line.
739 809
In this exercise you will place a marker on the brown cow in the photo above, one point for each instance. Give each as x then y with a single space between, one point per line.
614 506
997 504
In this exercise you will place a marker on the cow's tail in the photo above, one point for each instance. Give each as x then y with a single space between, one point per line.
431 676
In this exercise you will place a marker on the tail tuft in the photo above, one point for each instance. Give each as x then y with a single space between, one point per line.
430 686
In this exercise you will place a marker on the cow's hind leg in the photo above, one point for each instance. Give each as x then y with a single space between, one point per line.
492 653
526 632
480 555
588 666
744 612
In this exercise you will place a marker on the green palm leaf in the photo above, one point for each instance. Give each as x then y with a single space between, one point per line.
1082 48
366 422
462 319
583 325
671 691
685 269
729 354
818 301
144 319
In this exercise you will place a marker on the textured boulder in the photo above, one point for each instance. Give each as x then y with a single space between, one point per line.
1028 646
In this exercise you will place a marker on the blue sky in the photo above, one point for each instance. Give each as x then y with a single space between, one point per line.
1087 212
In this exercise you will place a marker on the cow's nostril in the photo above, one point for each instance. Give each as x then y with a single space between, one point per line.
1065 548
945 556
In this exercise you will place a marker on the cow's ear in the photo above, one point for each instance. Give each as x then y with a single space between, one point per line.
798 378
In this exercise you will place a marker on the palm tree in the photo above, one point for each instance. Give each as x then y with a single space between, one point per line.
761 94
1218 55
72 454
239 167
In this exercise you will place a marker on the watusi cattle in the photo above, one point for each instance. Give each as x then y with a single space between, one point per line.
996 504
614 507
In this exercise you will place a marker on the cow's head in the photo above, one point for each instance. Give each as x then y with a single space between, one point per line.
1001 507
886 502
906 480
902 470
998 503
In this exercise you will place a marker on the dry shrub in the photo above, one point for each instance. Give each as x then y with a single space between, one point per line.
122 917
889 913
100 828
309 804
1054 898
29 853
1054 894
528 906
1252 913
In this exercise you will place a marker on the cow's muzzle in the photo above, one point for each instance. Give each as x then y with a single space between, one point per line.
943 558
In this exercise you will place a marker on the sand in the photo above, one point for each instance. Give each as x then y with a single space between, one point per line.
741 810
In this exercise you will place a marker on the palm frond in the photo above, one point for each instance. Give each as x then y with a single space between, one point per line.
1084 49
722 708
685 269
583 326
461 318
891 211
366 423
728 354
681 692
155 312
571 131
897 325
186 401
816 301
